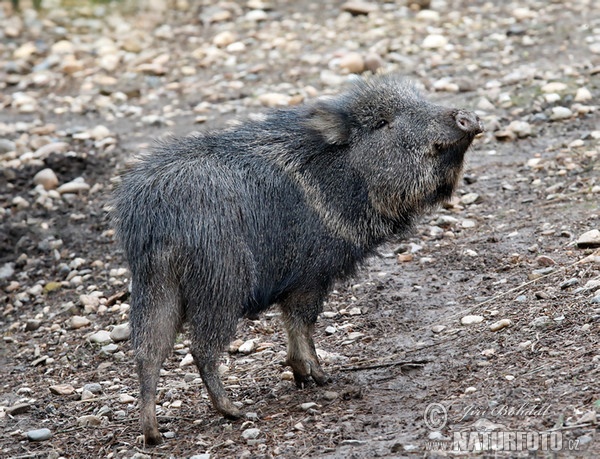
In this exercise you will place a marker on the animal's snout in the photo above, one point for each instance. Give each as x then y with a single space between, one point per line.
468 122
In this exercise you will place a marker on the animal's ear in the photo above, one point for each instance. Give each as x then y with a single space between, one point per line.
330 118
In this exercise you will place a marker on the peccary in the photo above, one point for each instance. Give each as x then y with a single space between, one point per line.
224 224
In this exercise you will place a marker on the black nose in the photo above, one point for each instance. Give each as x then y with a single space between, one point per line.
468 122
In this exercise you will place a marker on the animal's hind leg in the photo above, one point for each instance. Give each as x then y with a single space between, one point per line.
155 319
209 337
300 313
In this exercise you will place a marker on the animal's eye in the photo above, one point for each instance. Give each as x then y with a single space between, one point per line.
381 123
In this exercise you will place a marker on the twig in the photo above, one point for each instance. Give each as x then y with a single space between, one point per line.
404 363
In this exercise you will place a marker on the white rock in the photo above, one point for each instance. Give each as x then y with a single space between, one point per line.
352 62
438 328
99 132
470 320
273 99
309 405
589 239
503 323
126 398
187 360
224 38
554 86
560 113
100 337
75 186
583 95
434 41
469 198
79 322
520 128
121 332
47 178
247 347
62 389
251 434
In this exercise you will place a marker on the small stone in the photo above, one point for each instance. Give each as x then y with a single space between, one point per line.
120 332
273 99
200 456
79 322
373 62
19 408
554 86
470 390
39 435
109 349
569 283
309 405
100 132
560 113
75 186
434 41
224 38
330 330
583 95
352 62
360 7
87 395
469 198
235 345
47 178
330 395
354 311
521 128
589 239
32 324
287 376
125 398
62 389
252 416
503 323
543 260
186 361
596 299
251 434
438 328
248 347
470 320
89 420
100 337
541 322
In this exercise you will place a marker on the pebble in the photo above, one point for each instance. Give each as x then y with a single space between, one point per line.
560 113
468 223
360 7
39 435
469 320
330 395
583 95
554 86
469 198
434 41
330 330
596 299
522 129
120 332
224 38
438 328
79 322
200 456
352 62
247 347
62 389
76 186
47 178
109 349
544 260
273 99
309 405
125 398
541 322
19 408
589 239
251 434
89 420
186 361
503 323
100 337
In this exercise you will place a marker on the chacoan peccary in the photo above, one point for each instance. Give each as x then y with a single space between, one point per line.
224 224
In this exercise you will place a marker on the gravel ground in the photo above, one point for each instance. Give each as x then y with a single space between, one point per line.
489 312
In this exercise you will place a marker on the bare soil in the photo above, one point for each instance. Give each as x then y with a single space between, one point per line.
539 374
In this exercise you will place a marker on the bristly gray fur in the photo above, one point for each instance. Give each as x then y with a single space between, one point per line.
225 224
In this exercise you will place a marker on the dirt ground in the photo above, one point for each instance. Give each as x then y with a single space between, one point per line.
410 376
